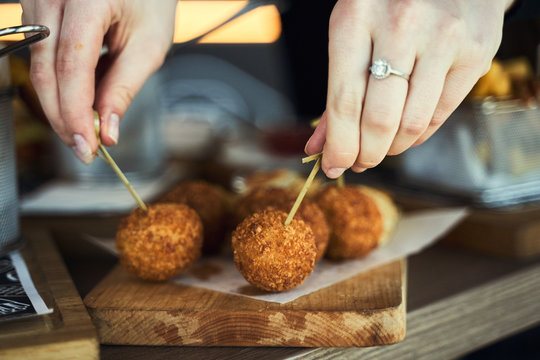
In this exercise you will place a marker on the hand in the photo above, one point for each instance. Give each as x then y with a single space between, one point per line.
445 45
138 34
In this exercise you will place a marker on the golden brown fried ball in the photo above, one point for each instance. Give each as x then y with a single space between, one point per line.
276 198
211 202
276 178
273 256
360 220
313 216
259 199
161 243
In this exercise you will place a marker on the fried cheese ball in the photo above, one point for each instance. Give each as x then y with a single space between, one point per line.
273 256
161 243
360 220
283 199
211 202
280 178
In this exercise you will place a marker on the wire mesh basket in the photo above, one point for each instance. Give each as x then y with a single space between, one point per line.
488 151
9 202
9 215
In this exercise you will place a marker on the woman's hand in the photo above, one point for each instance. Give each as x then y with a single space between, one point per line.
137 33
445 46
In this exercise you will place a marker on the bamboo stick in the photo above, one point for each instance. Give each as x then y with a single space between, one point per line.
107 157
306 186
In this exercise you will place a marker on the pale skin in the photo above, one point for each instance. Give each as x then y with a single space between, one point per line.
446 46
138 34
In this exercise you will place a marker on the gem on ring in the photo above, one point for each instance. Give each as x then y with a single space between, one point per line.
381 69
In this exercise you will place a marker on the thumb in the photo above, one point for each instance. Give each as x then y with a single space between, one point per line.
316 142
119 85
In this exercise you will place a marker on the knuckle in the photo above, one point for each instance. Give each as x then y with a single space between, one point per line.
414 125
347 104
66 65
124 94
450 28
437 120
406 13
413 128
379 120
40 74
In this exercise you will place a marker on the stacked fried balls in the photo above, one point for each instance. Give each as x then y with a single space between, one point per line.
337 222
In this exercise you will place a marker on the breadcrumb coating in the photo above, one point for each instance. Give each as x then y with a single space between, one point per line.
273 256
211 202
356 224
161 243
264 197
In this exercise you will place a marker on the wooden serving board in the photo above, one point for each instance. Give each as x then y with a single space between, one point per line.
68 332
365 310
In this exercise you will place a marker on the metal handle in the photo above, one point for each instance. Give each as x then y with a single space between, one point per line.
41 33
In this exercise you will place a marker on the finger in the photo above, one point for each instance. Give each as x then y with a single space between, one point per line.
349 49
29 11
384 103
122 81
78 53
425 89
315 143
458 83
43 54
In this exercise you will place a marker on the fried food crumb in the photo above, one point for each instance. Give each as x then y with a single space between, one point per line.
273 256
161 243
356 224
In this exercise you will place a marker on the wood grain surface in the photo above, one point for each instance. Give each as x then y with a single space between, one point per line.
68 332
454 326
365 310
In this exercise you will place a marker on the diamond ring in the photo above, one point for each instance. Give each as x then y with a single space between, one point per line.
381 69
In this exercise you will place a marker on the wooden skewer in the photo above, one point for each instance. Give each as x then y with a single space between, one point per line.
341 181
311 158
307 184
107 157
315 122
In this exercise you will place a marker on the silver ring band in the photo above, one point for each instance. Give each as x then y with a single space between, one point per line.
381 69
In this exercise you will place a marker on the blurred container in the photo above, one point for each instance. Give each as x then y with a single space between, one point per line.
10 237
9 205
140 151
488 151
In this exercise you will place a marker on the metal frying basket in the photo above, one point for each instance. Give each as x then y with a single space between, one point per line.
9 204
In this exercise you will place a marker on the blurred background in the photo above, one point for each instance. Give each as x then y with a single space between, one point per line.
244 80
238 92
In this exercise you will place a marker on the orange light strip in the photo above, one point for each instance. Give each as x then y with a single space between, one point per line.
194 18
10 15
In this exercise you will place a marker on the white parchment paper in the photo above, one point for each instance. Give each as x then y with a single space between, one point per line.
414 232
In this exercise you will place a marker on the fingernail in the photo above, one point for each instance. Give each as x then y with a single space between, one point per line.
335 172
114 123
82 149
358 169
307 144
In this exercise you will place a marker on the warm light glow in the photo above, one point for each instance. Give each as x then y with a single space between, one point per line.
194 18
10 15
